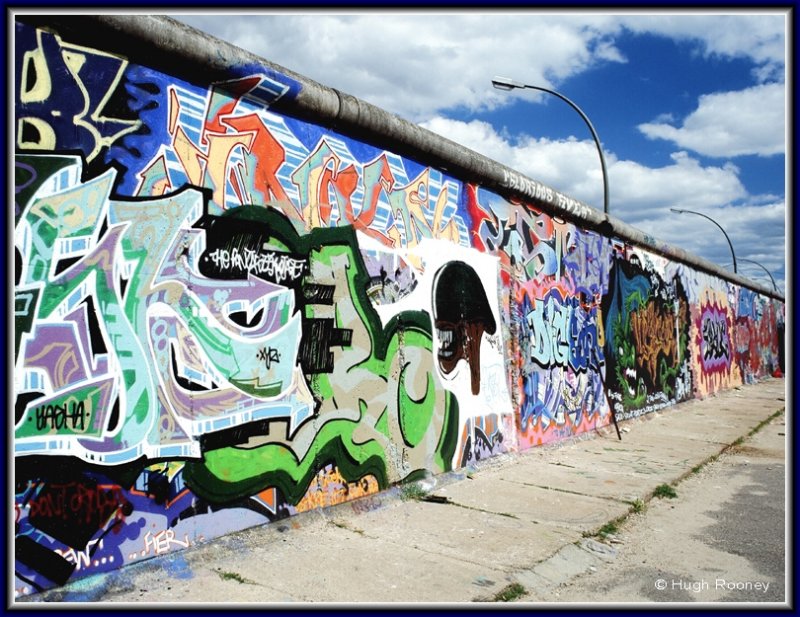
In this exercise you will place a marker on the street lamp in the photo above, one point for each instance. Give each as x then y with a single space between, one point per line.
504 83
680 211
752 261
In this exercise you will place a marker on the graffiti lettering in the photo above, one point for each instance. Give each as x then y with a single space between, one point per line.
269 356
78 502
540 192
58 416
83 559
232 151
646 331
562 333
530 188
162 542
277 267
715 339
367 504
203 360
573 206
654 334
331 488
240 155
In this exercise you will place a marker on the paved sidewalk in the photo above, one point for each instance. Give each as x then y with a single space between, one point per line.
522 519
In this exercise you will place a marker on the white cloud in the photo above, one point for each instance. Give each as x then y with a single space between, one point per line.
728 124
759 37
417 64
685 183
573 167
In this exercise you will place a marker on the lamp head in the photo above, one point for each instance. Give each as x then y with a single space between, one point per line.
506 83
677 210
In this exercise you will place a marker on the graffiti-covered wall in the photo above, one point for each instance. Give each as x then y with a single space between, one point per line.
225 315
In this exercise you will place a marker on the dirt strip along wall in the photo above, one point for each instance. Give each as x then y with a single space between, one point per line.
225 315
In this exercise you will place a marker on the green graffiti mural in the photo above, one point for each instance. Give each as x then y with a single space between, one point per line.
378 410
647 328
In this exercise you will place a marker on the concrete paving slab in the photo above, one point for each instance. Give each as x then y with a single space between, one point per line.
578 468
205 585
608 457
569 562
318 562
472 535
719 427
623 484
667 449
336 565
613 460
574 512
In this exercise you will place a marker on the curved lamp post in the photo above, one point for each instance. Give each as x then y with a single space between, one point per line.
771 278
504 83
681 211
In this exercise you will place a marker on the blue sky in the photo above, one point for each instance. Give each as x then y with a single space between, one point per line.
690 107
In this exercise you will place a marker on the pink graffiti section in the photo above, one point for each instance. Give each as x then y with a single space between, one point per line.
714 339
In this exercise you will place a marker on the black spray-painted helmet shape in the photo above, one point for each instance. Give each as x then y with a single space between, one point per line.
461 314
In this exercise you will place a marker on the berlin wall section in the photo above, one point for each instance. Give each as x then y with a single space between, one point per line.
225 315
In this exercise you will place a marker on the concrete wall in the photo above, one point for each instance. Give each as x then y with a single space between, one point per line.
233 304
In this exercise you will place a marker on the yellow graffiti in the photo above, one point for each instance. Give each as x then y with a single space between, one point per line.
654 335
330 488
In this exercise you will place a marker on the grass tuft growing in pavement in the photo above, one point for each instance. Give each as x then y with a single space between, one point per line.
637 506
609 529
665 490
233 576
410 492
509 593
